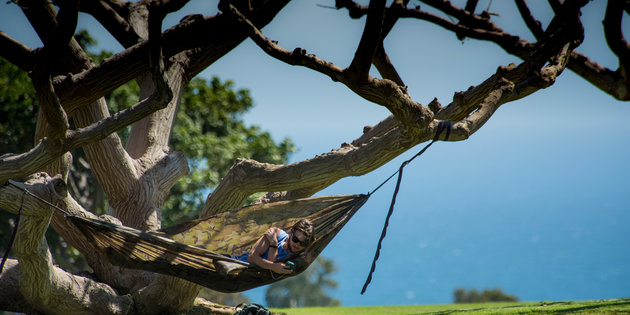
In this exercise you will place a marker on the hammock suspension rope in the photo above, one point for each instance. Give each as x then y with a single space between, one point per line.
441 127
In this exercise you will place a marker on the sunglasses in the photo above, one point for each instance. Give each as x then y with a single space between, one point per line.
297 240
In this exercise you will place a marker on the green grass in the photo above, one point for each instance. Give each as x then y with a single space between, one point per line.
613 306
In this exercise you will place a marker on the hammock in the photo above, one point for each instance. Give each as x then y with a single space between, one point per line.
198 250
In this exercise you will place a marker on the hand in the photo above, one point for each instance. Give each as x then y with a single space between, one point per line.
281 268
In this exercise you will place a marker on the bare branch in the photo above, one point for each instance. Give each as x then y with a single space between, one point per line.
108 14
101 129
556 5
385 67
41 14
75 91
84 88
297 57
67 18
471 5
609 81
354 9
248 176
387 93
474 26
15 166
157 12
56 118
381 60
614 35
360 66
534 25
16 52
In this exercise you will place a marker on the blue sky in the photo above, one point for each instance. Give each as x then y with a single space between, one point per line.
535 203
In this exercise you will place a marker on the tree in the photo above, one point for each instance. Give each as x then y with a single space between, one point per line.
209 114
462 295
137 174
307 289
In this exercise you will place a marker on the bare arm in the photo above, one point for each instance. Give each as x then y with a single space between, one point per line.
261 247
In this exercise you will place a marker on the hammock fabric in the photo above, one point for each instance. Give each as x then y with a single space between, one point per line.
198 251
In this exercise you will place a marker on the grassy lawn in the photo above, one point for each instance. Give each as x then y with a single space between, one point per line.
614 306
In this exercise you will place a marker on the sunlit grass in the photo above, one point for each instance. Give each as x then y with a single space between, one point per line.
613 306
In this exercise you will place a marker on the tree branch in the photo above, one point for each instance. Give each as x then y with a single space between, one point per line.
360 67
16 52
381 60
355 10
75 91
66 25
56 119
615 38
248 176
108 15
159 123
20 165
42 16
482 101
413 115
534 25
474 26
471 5
605 79
44 285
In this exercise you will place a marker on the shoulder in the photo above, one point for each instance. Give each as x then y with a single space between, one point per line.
273 229
282 234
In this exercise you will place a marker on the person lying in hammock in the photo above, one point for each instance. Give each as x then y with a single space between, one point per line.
276 244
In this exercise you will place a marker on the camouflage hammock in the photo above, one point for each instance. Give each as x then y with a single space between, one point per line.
198 250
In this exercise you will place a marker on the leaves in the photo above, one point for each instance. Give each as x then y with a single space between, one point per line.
210 132
18 105
308 289
462 295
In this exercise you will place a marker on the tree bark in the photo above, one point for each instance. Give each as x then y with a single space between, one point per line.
138 175
44 286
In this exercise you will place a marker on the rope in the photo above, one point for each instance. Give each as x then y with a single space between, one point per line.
17 219
38 198
441 126
15 228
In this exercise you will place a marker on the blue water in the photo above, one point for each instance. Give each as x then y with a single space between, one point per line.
543 218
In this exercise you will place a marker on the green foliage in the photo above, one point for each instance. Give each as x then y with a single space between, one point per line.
18 112
18 109
208 130
211 134
306 289
461 295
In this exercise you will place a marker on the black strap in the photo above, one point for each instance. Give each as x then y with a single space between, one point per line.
441 126
17 219
15 228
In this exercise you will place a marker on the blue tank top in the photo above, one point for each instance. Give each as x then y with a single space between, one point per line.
282 253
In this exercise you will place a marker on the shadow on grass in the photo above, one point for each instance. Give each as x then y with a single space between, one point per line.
544 308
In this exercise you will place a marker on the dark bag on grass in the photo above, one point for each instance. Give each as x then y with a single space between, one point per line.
252 309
